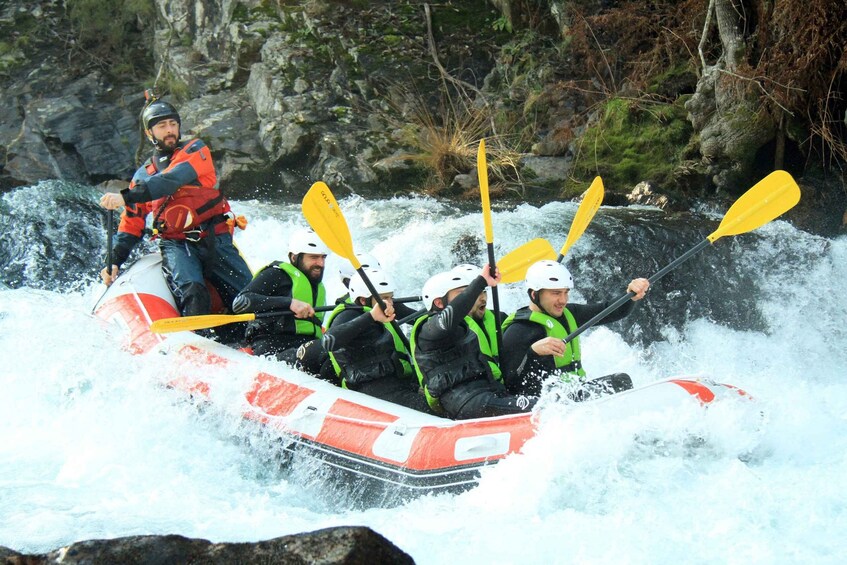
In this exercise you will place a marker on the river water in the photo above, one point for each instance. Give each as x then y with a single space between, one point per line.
93 447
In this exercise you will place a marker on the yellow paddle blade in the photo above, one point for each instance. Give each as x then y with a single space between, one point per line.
587 208
514 264
768 199
482 171
191 323
320 208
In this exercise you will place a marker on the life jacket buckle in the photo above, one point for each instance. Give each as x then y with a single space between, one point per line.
194 235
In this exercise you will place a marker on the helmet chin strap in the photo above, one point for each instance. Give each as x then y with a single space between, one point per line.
537 301
534 298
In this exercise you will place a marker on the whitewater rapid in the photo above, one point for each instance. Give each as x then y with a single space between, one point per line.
94 447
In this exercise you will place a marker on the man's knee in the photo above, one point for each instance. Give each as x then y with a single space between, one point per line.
193 299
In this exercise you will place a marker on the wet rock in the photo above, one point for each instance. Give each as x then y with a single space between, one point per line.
548 169
467 249
645 195
466 181
68 136
343 545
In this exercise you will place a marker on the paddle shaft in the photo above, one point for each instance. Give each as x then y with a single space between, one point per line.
330 308
628 296
495 299
381 304
412 317
482 173
110 227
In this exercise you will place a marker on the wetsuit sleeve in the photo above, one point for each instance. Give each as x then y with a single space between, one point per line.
124 244
269 291
519 360
347 326
401 310
130 232
584 312
444 324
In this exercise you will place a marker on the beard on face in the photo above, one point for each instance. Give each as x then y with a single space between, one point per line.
315 274
168 143
479 307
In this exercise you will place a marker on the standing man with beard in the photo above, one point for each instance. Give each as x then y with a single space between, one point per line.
294 286
191 218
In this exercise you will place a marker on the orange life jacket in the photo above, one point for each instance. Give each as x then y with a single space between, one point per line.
180 215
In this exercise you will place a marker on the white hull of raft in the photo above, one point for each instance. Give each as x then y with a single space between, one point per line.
345 429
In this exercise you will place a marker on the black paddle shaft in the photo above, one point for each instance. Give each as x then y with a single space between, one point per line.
492 266
330 308
412 317
110 227
628 296
381 304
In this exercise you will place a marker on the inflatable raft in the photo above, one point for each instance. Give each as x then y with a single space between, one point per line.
349 431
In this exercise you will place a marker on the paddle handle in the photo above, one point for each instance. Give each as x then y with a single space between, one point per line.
110 227
628 296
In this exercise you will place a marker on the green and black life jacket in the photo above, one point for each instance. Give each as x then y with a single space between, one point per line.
487 334
301 289
571 362
466 360
387 356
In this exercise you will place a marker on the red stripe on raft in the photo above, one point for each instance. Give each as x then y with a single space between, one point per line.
202 357
275 396
701 391
435 447
127 308
739 391
192 387
356 434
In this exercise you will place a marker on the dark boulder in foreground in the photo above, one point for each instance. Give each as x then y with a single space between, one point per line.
348 545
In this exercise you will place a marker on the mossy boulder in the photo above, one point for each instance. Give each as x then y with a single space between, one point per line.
630 142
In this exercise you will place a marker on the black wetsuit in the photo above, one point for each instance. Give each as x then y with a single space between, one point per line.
270 291
365 350
473 392
523 369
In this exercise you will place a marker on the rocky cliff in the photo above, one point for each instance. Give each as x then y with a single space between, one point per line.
700 98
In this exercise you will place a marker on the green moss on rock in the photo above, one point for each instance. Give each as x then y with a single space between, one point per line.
632 142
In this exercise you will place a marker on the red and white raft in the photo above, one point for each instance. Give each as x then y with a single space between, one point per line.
345 429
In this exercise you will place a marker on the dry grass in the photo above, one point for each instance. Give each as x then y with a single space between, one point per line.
443 138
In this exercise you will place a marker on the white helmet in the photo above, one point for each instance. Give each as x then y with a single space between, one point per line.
379 279
439 285
467 272
306 241
346 270
548 274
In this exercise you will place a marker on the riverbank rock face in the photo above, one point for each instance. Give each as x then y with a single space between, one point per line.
345 545
378 98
